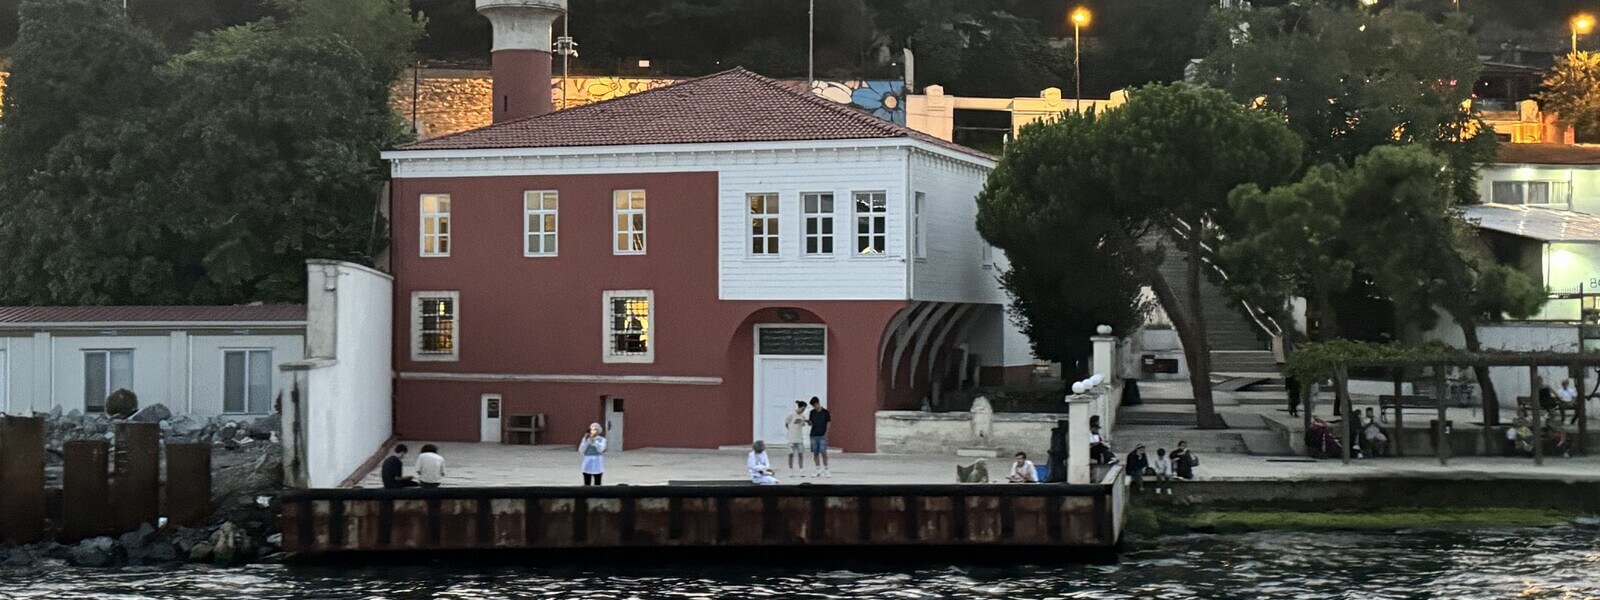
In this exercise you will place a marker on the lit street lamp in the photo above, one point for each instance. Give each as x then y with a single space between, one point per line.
1582 24
1080 19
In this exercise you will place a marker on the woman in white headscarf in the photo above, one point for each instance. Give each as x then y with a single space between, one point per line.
593 448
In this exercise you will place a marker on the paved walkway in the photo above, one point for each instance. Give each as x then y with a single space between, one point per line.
494 465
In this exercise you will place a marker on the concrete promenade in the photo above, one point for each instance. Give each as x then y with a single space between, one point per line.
494 465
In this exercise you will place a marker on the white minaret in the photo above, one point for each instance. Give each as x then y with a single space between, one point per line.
520 60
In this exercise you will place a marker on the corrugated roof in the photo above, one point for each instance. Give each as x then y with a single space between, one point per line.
731 106
1537 223
254 313
1549 154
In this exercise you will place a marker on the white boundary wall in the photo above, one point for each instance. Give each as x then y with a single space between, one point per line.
344 413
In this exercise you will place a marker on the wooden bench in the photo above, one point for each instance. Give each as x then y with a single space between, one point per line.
524 429
1400 403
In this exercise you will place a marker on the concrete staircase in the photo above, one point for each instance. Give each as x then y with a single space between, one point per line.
1241 358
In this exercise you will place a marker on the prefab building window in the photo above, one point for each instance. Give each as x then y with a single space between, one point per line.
105 371
247 381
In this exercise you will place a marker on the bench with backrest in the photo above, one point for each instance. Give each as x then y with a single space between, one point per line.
1401 403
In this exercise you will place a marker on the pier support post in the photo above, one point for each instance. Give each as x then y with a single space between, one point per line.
21 479
1534 383
137 487
188 489
1078 409
85 490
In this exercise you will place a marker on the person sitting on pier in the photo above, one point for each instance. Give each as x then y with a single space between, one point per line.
1163 469
1182 461
1023 471
1138 466
759 465
1567 399
430 467
1099 450
1372 435
1558 441
392 467
1524 437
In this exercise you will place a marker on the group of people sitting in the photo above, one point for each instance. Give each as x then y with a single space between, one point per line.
1164 467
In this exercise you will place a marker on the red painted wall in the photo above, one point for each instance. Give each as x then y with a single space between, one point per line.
521 83
520 315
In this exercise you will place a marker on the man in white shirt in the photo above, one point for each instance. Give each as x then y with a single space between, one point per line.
795 426
759 465
1023 471
1567 399
430 467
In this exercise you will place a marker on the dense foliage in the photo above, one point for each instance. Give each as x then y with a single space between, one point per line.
1106 191
208 177
1572 88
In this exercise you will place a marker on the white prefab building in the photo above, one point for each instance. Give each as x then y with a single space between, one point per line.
195 360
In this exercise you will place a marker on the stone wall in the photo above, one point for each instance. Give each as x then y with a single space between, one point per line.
915 432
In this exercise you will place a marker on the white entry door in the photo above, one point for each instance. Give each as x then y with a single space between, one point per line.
613 430
785 381
489 430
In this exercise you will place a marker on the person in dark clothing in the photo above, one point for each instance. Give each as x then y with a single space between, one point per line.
1182 462
820 418
1138 464
392 466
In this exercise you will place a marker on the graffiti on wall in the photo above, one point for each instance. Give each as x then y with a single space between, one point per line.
445 102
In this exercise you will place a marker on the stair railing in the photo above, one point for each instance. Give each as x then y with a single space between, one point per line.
1261 318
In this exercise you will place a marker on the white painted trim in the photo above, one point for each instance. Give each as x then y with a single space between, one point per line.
416 326
605 327
422 228
527 231
708 147
855 232
833 218
561 378
775 232
644 234
755 367
184 325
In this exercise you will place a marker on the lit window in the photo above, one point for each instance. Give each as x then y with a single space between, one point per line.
104 372
434 320
818 209
436 225
629 326
872 215
628 226
919 235
539 223
1535 193
247 381
764 224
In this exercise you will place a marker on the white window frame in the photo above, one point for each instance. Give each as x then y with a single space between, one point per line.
438 217
1559 194
819 217
606 352
270 383
919 232
416 326
618 212
872 216
768 243
532 215
109 388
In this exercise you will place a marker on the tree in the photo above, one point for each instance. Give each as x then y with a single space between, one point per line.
214 178
1291 241
1162 163
1348 81
1572 89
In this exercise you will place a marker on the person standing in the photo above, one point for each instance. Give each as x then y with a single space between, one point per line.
430 467
794 426
592 448
393 466
1023 471
759 465
819 419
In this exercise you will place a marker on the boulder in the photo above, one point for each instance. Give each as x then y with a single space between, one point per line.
158 552
230 545
135 541
183 426
99 552
264 427
155 413
201 552
122 403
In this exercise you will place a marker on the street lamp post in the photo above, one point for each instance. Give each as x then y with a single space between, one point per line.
1582 24
811 43
1080 19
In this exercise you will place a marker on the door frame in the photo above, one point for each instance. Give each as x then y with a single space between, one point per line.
500 418
755 367
606 403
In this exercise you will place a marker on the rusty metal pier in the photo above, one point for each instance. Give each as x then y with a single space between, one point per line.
333 522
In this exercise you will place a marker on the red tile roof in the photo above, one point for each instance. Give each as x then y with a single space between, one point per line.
1549 154
152 314
731 106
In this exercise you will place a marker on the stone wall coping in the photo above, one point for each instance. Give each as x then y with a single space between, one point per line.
917 415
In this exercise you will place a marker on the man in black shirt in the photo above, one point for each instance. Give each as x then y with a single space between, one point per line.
819 436
392 467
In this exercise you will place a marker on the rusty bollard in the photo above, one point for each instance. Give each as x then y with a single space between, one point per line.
136 485
85 491
21 479
188 484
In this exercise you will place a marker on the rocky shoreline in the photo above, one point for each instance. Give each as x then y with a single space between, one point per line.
246 473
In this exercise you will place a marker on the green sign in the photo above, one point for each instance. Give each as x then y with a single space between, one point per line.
792 341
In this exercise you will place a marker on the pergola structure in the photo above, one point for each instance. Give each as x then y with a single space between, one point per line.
1575 362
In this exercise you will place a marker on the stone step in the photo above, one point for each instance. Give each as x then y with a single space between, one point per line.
1201 441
